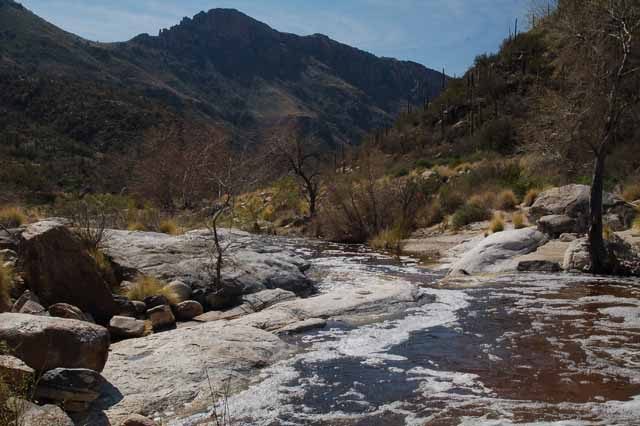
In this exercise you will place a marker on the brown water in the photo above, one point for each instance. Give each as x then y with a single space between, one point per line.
522 349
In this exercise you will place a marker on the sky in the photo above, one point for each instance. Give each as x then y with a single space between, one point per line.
435 33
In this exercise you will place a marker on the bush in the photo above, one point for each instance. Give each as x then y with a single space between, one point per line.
389 239
469 213
497 135
12 217
136 226
450 200
518 220
6 284
631 193
487 199
168 226
507 200
531 196
431 214
497 224
145 286
636 223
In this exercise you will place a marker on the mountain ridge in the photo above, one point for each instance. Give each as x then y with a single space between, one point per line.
220 67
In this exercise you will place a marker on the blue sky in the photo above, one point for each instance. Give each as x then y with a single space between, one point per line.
436 33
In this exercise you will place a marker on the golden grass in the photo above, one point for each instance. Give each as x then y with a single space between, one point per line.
169 226
497 223
486 199
136 226
12 217
636 223
6 284
518 220
631 192
531 196
145 286
507 200
445 171
389 239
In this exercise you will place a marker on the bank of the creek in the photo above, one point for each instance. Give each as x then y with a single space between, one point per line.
535 349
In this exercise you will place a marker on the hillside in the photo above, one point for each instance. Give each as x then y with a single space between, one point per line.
66 101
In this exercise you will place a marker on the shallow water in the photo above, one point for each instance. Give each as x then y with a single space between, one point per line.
524 349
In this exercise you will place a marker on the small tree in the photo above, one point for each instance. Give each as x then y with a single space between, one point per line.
303 158
603 55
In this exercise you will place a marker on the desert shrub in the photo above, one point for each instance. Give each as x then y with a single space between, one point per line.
144 286
450 200
518 220
168 226
531 196
507 200
12 217
354 210
631 192
388 239
486 199
497 135
469 213
636 223
497 223
431 214
6 284
444 171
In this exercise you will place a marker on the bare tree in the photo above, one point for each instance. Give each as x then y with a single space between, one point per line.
603 55
302 157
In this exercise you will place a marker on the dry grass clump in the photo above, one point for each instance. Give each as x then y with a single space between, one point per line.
145 286
636 223
6 284
487 199
169 226
518 220
444 171
136 226
631 192
507 200
530 197
389 239
104 266
12 217
497 223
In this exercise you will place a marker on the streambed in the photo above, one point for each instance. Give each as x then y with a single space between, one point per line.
537 349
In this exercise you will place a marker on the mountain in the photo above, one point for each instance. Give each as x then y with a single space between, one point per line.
71 99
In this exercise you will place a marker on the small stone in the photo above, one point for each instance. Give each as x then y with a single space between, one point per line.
161 317
137 420
24 298
14 371
154 301
538 266
124 307
126 327
187 310
180 289
32 308
140 307
64 310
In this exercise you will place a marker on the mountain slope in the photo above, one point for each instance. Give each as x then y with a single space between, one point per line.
79 98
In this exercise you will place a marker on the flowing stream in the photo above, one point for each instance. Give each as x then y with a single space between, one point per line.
535 349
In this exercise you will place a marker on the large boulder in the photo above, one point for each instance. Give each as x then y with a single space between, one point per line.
558 224
251 303
174 368
73 389
252 263
45 343
572 201
58 269
496 253
625 256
